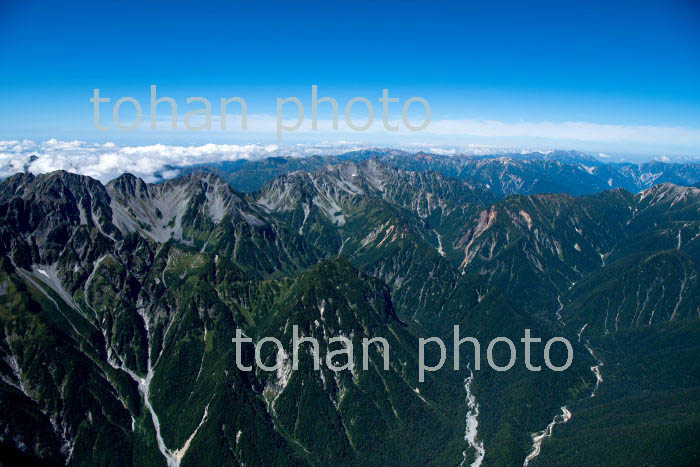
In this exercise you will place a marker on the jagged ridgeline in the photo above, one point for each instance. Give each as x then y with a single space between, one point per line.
119 303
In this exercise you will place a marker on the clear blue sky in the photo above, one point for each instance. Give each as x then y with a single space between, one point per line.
605 63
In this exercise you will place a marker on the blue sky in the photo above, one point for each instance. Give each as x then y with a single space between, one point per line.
497 73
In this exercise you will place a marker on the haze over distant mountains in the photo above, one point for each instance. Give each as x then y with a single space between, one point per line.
503 174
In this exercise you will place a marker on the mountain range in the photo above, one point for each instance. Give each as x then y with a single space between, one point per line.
119 303
503 174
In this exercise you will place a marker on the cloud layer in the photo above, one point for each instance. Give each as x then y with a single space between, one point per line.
107 161
156 162
442 130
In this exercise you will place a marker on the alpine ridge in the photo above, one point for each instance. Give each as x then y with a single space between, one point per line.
119 303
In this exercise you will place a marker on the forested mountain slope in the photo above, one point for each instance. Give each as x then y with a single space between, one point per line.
119 303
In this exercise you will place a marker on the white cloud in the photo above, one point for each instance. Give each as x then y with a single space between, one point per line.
441 129
109 160
105 161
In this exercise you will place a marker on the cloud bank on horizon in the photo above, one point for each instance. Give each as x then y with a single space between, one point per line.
132 151
159 161
673 139
106 161
151 163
